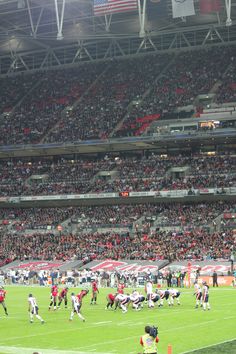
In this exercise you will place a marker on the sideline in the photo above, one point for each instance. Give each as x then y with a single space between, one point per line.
22 350
210 346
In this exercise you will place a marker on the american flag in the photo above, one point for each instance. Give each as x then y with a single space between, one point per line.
106 7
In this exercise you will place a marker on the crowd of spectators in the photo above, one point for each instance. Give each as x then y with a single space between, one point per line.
119 97
227 89
43 107
106 103
90 102
155 173
195 237
20 219
198 245
14 88
189 75
130 173
46 176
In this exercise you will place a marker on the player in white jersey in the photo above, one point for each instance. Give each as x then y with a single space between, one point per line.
33 309
149 293
137 300
155 297
134 298
198 294
205 296
174 294
76 305
122 300
164 294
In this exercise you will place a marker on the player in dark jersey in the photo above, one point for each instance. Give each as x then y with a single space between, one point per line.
95 293
2 299
54 295
63 297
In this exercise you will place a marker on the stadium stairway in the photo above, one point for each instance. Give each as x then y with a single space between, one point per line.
133 103
217 223
75 104
20 101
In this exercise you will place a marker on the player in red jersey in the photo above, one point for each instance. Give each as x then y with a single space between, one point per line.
95 292
120 288
2 299
63 297
110 300
81 295
54 295
77 304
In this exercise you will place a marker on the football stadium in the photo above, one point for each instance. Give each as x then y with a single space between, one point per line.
118 176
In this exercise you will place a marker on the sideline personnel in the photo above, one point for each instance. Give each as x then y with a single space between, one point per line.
149 340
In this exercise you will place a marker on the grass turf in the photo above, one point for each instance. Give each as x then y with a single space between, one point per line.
184 327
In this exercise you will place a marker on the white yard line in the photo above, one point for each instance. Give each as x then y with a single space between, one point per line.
22 350
129 338
80 350
104 322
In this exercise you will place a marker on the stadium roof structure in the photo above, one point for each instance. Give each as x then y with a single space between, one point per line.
38 34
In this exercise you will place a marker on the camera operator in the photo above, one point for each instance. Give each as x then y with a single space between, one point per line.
149 340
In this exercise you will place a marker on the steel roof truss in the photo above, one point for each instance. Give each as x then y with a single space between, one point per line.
228 12
59 17
34 28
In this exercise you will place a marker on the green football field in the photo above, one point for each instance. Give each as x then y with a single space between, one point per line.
184 327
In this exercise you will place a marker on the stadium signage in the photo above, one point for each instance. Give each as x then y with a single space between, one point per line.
180 193
38 265
205 268
222 281
110 265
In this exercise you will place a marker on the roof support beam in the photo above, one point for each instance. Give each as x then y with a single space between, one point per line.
185 39
81 51
108 19
142 17
228 12
105 48
34 28
59 17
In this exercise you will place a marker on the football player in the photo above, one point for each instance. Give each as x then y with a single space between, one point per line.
198 294
2 299
95 293
53 299
33 309
63 297
110 300
205 296
76 307
122 300
174 294
164 294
